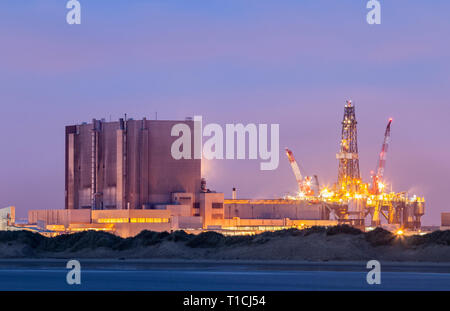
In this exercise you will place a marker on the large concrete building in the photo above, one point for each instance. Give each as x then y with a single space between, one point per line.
121 178
125 165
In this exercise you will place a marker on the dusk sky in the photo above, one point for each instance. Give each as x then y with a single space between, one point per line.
290 62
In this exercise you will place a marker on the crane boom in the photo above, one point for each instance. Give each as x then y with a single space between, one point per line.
378 178
295 169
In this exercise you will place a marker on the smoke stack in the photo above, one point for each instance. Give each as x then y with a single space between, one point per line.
233 195
203 185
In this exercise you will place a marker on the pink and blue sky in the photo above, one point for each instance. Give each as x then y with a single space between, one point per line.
232 61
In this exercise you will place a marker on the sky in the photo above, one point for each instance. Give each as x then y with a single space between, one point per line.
292 63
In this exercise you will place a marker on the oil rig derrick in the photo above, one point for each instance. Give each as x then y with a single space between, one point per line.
349 177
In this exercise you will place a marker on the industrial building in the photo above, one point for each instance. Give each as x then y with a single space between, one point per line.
7 217
125 165
8 222
121 178
445 221
213 214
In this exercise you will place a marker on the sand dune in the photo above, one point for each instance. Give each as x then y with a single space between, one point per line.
341 243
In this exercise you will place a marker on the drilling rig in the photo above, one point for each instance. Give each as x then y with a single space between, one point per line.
349 177
396 208
348 205
352 201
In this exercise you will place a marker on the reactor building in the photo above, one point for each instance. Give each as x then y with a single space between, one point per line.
125 165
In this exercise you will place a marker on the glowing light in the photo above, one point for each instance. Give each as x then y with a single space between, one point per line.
112 220
399 232
325 193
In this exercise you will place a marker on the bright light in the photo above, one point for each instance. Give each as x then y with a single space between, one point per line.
325 193
399 232
381 186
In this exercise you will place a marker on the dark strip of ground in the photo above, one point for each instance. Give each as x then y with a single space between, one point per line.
339 243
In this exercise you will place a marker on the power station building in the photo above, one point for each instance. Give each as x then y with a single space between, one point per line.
120 177
125 165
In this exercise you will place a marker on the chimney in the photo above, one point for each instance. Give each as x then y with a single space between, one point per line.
203 185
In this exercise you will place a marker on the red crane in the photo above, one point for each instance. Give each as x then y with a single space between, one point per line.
295 169
377 179
304 186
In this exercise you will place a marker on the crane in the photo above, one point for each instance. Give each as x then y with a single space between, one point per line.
295 169
303 186
377 179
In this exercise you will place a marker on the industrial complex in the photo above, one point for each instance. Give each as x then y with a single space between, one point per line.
354 202
120 177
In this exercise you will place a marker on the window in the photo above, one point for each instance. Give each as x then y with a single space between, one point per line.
112 220
149 220
217 205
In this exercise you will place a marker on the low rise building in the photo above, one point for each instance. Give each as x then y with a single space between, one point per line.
445 221
211 213
7 217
